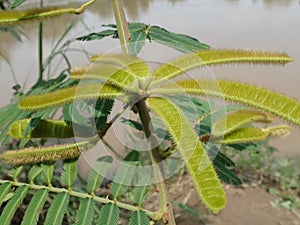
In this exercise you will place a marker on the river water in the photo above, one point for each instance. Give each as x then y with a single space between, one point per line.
271 25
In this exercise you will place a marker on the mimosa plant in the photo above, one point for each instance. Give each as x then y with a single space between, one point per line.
127 78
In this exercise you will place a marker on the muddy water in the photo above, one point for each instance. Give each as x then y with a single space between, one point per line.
253 24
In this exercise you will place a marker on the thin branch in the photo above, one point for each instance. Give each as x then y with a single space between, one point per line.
156 158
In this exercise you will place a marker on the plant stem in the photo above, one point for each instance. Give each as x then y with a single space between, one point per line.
122 25
156 159
41 68
166 207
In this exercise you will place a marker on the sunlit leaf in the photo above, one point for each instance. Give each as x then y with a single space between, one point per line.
261 98
197 162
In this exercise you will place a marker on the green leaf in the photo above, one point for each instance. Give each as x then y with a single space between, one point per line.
95 177
13 205
253 147
225 174
85 213
180 42
34 171
223 167
264 99
16 3
68 95
124 175
109 215
136 26
132 123
15 172
57 209
141 190
223 159
103 108
137 42
97 36
139 218
237 119
191 61
4 190
197 161
69 173
34 208
48 172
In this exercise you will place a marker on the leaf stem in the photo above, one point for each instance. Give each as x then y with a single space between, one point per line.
152 214
122 25
156 158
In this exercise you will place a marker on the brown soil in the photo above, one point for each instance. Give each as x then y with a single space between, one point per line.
249 205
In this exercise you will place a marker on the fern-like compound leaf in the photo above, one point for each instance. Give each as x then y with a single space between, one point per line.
124 175
44 129
4 190
109 215
103 108
57 209
95 177
197 161
13 205
139 218
85 213
46 154
67 95
34 208
261 98
48 172
187 62
69 173
223 167
237 119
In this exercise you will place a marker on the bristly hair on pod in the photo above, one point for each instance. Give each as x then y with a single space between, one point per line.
13 17
47 154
